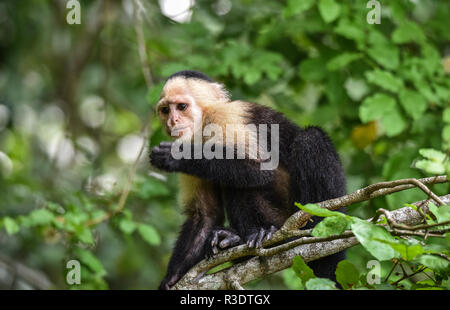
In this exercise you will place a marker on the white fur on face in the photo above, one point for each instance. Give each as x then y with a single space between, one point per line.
194 126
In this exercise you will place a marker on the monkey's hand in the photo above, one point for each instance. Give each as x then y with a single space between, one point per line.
161 157
223 239
255 239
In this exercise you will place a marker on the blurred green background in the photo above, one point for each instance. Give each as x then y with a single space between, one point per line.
74 100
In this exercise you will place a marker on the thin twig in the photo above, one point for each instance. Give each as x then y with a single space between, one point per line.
138 11
390 272
406 276
145 130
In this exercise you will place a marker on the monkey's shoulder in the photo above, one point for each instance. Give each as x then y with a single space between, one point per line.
244 112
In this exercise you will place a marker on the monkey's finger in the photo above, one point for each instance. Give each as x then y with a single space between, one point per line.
156 150
214 240
165 145
232 240
269 235
251 240
261 235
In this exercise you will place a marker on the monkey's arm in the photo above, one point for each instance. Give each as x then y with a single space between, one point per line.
243 173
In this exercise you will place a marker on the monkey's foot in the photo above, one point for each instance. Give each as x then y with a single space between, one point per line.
222 238
256 239
169 281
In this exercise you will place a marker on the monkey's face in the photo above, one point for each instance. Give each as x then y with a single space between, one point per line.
179 114
183 100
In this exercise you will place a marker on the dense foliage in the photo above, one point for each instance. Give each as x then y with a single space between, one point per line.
73 100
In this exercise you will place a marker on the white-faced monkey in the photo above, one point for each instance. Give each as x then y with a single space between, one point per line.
256 201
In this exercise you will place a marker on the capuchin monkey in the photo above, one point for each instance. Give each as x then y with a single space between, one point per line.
198 113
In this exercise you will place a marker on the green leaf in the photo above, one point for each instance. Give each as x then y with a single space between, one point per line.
356 88
413 103
302 270
329 10
408 32
41 217
433 155
349 30
54 206
430 167
384 79
333 225
446 115
320 284
434 164
291 280
434 262
442 213
393 123
295 7
377 38
314 209
385 55
446 133
342 60
432 61
312 69
84 234
252 75
149 234
10 225
433 209
268 62
75 217
220 267
127 226
375 107
346 274
151 188
406 250
369 235
426 91
92 262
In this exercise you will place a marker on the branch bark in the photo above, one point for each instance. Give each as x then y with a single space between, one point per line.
268 261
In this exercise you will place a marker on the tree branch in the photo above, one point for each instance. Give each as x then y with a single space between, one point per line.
267 261
300 218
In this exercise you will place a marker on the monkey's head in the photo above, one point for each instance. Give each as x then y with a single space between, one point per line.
183 99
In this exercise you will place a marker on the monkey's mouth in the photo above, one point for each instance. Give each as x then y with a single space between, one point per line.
178 130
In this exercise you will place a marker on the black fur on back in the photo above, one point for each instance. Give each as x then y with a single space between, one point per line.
191 74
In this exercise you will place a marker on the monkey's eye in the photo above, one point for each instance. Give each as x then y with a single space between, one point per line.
181 106
165 110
